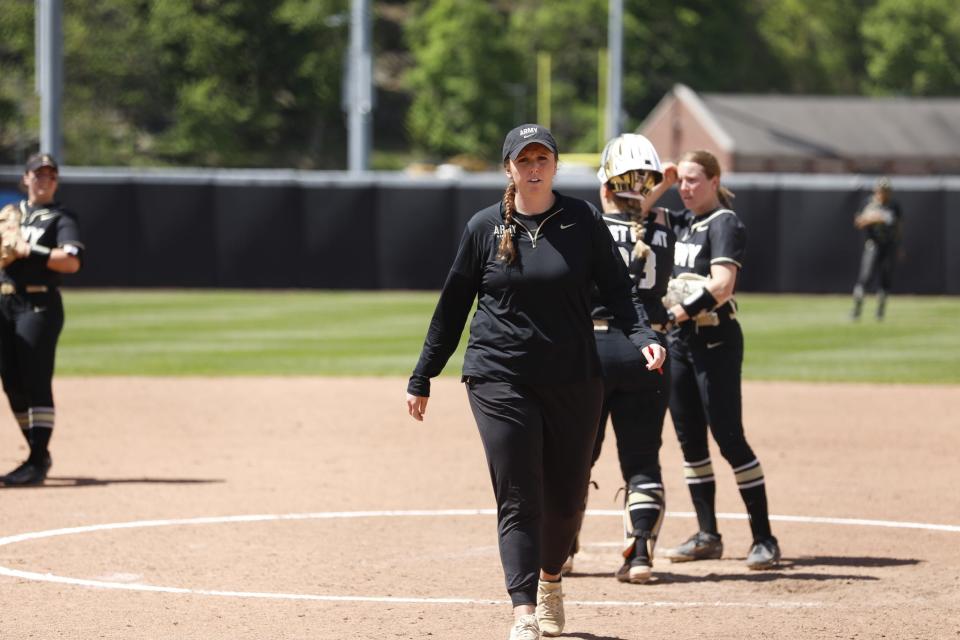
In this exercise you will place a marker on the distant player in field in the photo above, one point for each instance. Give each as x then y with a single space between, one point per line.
880 220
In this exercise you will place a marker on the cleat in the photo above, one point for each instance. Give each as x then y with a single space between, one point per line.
29 473
699 546
525 628
764 554
635 571
550 608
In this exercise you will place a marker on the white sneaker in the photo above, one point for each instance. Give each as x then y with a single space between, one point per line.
635 571
550 607
525 628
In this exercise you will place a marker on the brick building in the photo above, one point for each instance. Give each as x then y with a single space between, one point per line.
810 134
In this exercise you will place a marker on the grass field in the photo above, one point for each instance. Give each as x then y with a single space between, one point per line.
218 333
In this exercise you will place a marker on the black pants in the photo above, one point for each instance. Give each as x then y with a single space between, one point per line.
877 263
635 400
30 325
706 391
706 367
538 440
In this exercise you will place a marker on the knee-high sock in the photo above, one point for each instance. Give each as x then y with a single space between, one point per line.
643 516
857 301
753 490
881 303
23 420
703 491
41 428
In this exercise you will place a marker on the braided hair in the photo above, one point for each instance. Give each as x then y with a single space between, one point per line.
507 252
634 208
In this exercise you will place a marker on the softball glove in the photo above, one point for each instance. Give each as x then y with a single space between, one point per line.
682 287
9 234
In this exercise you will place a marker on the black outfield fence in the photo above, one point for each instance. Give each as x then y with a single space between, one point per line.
332 230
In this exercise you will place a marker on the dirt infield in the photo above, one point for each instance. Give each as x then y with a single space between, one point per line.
177 459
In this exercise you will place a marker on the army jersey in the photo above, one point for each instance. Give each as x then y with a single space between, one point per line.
888 231
650 274
49 226
715 237
532 322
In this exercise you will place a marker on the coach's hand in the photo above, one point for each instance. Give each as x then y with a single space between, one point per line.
654 354
417 406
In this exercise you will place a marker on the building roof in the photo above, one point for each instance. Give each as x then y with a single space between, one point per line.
828 126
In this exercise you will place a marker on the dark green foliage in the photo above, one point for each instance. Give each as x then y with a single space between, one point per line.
913 47
463 66
241 83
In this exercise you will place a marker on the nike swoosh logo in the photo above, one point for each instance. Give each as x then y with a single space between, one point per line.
567 226
712 345
529 135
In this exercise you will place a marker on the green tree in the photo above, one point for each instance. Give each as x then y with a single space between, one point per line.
460 80
115 93
708 45
818 42
17 97
711 46
913 47
258 83
573 33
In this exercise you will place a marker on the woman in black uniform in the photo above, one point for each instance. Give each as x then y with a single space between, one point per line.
706 354
635 399
880 220
531 367
31 312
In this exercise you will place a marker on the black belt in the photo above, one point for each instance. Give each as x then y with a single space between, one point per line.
9 289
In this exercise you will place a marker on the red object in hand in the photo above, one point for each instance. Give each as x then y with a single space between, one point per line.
650 351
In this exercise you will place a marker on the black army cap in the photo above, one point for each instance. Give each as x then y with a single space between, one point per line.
39 160
526 134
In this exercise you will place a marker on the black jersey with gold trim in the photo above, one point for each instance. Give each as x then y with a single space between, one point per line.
49 226
715 237
651 273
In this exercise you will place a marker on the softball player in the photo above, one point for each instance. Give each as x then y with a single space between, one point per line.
706 355
530 367
880 218
635 399
31 312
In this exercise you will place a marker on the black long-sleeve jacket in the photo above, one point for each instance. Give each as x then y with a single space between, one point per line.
532 322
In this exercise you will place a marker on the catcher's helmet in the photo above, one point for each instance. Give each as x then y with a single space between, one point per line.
630 165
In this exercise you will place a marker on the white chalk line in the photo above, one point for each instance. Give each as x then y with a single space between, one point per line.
328 515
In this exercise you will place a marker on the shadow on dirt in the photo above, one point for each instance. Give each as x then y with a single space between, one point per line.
846 561
786 570
65 482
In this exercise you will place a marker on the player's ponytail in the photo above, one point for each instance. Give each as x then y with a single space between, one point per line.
711 169
725 196
507 252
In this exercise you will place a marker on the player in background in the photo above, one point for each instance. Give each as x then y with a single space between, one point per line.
31 312
635 399
880 219
706 357
530 367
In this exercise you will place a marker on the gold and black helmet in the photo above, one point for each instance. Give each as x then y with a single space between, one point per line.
630 166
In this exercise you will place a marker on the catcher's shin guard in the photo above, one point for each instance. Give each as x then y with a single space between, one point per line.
642 517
